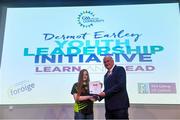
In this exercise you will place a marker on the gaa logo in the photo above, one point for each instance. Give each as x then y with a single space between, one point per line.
87 19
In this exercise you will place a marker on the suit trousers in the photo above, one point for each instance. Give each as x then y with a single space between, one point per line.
117 114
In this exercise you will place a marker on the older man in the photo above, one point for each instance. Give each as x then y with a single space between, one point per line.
115 92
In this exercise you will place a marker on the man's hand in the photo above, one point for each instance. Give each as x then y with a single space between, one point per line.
102 94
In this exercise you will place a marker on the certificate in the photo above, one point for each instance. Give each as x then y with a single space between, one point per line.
95 87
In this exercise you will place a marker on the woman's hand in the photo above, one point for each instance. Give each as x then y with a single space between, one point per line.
92 98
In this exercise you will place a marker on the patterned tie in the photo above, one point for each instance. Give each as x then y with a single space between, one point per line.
109 73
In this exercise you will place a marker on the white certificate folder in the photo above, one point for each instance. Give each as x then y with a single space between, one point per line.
95 87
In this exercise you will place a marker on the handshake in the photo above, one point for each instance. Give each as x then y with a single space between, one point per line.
96 97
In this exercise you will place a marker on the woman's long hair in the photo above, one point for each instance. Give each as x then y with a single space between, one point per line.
83 86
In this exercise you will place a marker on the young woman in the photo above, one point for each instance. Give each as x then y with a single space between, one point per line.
83 107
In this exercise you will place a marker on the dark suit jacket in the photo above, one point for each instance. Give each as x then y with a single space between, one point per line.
115 89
